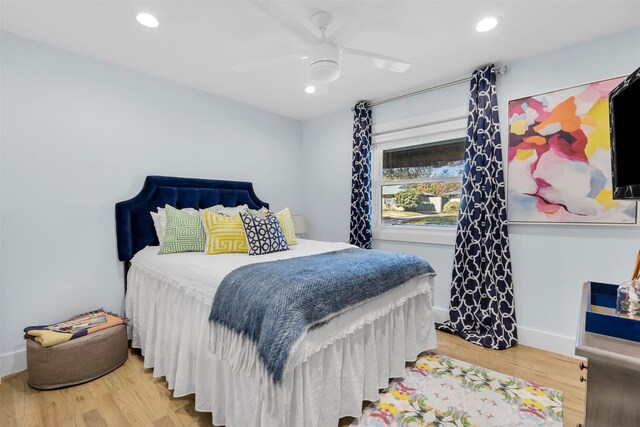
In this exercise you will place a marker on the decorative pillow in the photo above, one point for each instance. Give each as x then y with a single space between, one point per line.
224 234
261 213
286 222
184 232
264 235
155 216
160 219
233 211
214 208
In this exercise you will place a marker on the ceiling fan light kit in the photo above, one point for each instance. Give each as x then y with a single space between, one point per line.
324 63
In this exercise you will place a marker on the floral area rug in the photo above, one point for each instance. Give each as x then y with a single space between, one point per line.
440 391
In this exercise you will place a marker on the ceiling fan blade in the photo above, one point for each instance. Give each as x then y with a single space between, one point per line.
253 65
368 17
380 61
286 21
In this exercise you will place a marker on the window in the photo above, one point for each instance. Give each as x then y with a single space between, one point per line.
417 181
421 184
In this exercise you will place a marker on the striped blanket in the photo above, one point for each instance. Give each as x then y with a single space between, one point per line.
76 327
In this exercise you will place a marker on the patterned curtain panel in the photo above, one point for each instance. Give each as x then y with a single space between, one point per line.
482 307
361 177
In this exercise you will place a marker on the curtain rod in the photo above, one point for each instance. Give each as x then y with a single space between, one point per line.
501 70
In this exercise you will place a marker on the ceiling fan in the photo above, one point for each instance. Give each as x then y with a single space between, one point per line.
324 53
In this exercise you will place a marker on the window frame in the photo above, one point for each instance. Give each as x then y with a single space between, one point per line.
420 130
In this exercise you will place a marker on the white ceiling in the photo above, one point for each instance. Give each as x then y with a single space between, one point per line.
198 41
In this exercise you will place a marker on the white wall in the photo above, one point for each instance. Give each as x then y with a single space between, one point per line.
327 176
550 263
78 135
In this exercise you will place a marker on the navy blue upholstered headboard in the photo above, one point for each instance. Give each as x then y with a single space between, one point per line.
134 226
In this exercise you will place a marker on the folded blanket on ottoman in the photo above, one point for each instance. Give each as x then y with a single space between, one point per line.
76 327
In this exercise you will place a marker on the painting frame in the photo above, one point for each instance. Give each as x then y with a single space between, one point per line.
634 218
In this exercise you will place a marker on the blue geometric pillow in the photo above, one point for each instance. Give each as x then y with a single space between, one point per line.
264 235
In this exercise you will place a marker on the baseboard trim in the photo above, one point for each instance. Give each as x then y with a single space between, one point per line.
547 341
542 340
10 363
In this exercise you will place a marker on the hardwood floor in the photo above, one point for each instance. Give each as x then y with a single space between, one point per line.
130 396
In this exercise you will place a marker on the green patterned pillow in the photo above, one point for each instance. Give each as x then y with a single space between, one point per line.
184 232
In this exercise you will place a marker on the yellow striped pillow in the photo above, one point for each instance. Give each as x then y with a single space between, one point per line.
286 223
224 234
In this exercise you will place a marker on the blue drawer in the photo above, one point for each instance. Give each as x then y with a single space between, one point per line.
604 295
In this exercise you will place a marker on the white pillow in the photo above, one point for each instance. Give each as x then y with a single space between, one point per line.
155 216
160 220
233 211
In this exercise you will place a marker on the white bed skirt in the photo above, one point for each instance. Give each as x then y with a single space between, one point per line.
171 328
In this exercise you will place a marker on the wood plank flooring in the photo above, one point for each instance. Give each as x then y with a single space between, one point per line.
131 396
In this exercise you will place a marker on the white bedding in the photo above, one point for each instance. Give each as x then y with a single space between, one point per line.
340 363
201 274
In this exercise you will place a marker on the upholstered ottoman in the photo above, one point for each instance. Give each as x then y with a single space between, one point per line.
76 361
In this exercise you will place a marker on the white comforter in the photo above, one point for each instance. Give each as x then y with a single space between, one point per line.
176 292
200 274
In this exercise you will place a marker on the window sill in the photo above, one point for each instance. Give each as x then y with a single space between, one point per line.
430 235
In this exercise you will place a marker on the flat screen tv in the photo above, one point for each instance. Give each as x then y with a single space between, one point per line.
624 117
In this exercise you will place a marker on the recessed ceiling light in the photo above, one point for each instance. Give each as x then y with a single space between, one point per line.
147 20
310 89
487 24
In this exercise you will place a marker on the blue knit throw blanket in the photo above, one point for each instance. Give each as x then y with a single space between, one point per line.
274 303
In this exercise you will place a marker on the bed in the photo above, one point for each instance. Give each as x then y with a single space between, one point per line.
335 367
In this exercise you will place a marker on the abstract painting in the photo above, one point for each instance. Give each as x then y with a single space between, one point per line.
559 160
